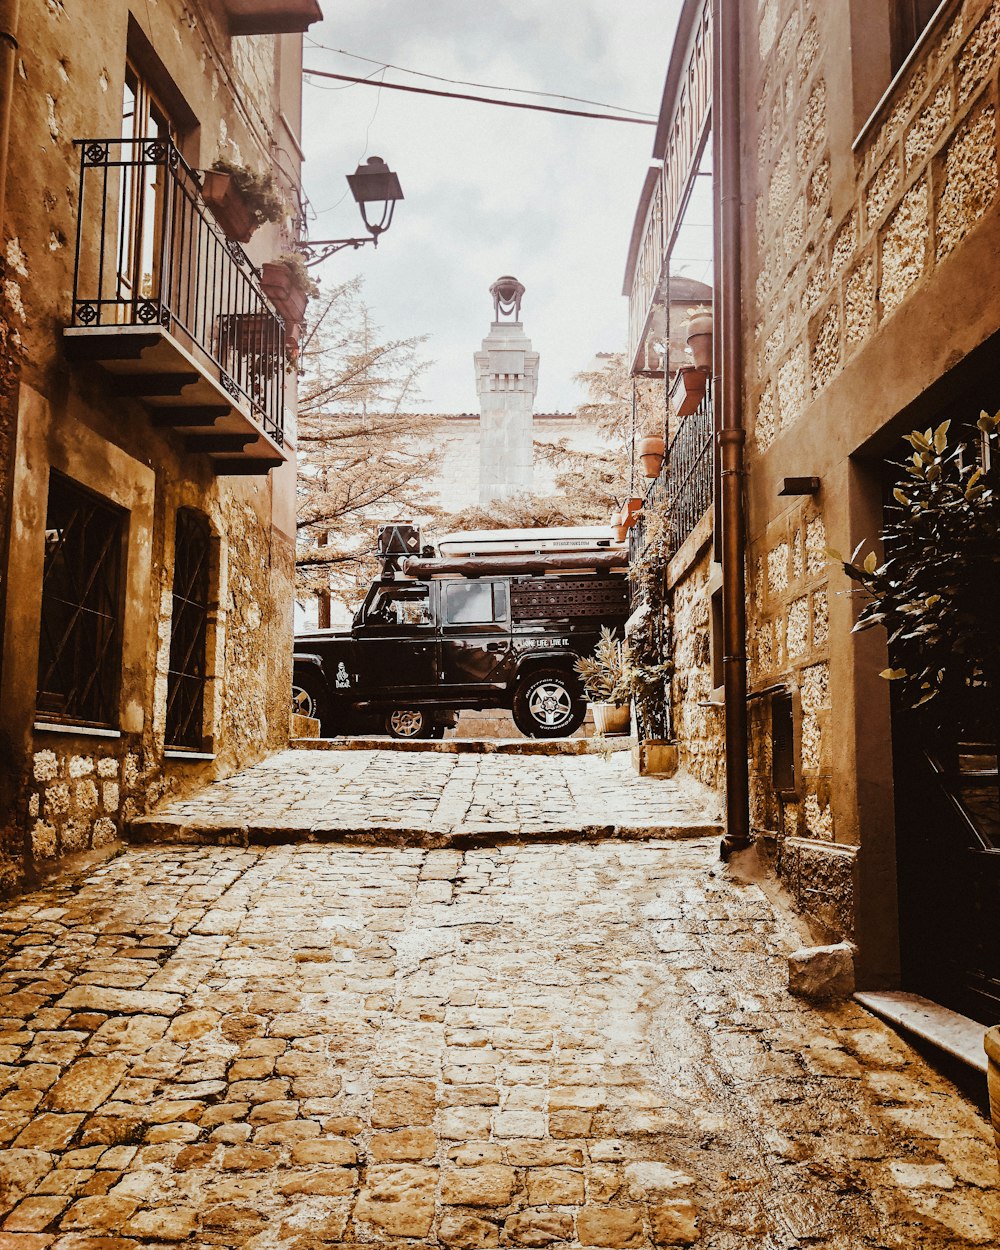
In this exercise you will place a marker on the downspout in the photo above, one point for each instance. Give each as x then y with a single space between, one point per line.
9 14
731 435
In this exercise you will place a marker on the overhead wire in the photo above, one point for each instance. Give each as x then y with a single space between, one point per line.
461 82
477 99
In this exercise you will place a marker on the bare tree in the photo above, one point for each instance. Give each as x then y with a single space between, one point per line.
361 456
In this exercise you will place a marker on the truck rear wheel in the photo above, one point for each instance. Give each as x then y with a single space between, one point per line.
411 723
548 704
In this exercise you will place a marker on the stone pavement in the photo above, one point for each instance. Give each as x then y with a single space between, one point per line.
552 1044
435 798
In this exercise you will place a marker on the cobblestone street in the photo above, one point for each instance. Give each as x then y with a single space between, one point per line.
554 1043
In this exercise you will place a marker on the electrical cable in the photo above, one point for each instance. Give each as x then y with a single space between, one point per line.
478 99
461 82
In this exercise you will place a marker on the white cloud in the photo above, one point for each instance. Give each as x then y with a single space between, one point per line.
490 191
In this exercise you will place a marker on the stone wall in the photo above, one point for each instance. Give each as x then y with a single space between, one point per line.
73 791
845 239
699 716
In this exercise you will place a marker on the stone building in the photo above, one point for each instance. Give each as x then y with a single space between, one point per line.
867 256
146 412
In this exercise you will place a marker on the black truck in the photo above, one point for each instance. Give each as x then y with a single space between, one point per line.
435 636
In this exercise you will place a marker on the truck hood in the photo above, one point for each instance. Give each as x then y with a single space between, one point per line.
302 641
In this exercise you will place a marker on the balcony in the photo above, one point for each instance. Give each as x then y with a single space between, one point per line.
271 17
686 485
173 311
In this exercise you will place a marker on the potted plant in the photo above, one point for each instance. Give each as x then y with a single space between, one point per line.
648 666
699 336
288 286
619 530
651 450
695 382
630 512
603 677
240 199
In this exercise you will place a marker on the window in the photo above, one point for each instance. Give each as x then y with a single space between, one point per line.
400 605
140 235
910 18
188 631
80 642
718 642
475 603
782 742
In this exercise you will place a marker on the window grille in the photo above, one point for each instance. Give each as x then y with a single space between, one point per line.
80 639
782 742
188 631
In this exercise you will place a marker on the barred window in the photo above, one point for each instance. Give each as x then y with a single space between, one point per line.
188 631
79 653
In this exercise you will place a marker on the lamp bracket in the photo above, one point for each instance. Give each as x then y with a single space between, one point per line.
315 251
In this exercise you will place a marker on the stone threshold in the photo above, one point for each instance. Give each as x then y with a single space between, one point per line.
955 1034
163 830
471 746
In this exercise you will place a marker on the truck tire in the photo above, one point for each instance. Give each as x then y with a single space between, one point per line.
309 699
548 704
409 723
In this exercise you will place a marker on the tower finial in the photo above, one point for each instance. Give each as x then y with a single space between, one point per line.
507 292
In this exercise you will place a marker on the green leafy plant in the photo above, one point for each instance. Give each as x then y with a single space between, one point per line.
261 192
604 673
936 589
647 650
298 274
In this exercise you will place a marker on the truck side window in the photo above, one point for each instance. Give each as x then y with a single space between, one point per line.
475 603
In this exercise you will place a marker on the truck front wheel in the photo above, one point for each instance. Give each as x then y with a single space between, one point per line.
548 704
309 699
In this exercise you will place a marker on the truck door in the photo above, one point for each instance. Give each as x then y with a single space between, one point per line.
475 632
395 642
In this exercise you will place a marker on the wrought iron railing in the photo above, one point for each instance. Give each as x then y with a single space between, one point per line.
148 253
689 471
685 486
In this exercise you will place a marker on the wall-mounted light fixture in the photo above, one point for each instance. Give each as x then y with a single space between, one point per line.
372 184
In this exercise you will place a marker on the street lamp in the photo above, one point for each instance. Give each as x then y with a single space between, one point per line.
372 183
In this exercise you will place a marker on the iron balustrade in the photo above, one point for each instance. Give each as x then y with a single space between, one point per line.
685 487
690 471
149 254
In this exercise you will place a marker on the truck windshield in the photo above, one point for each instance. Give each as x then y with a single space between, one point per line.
399 605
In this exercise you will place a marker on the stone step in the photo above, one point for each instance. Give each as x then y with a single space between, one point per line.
161 830
471 746
955 1034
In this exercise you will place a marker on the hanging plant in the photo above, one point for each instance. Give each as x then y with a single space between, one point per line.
288 285
937 588
240 199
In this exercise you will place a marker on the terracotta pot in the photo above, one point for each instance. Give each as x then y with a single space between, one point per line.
654 757
276 280
229 208
630 511
612 718
695 381
619 532
699 339
651 455
992 1045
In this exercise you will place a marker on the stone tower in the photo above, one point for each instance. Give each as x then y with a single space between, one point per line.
506 382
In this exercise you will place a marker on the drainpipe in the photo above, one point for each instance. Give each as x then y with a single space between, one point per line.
9 13
731 435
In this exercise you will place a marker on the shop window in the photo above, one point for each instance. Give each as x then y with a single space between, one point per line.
909 18
79 652
189 631
782 742
475 603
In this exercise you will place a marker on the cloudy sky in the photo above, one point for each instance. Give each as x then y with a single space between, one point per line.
488 190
